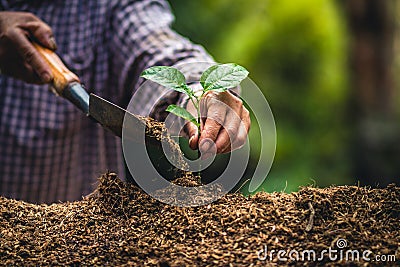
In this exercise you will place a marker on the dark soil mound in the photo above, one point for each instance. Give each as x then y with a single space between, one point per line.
119 224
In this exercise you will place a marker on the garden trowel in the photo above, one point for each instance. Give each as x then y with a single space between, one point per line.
112 117
66 84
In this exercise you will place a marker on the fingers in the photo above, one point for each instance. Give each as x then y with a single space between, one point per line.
226 125
30 55
243 130
191 130
215 117
229 131
17 30
234 133
29 75
42 32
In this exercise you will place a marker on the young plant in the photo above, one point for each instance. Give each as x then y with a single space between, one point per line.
217 78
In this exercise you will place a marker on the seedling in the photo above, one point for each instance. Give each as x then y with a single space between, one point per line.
217 78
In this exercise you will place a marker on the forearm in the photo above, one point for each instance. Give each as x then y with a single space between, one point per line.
142 39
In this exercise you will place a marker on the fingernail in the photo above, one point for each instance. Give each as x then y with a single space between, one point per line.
191 139
53 43
205 146
46 77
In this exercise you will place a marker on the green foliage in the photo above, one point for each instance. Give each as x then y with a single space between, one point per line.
222 77
169 77
296 52
218 78
183 113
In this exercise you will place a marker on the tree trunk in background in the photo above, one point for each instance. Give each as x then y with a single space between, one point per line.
375 136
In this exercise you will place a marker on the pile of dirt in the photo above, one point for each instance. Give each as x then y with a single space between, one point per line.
119 224
159 144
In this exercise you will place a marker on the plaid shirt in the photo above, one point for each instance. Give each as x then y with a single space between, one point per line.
49 150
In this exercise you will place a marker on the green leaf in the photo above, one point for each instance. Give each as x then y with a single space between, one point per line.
222 77
186 89
183 113
169 77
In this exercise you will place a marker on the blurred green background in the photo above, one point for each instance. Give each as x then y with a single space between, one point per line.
298 54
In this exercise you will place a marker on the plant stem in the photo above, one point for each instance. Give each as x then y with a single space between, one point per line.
199 172
198 133
196 104
198 149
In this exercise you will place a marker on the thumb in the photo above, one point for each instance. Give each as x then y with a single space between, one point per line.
193 134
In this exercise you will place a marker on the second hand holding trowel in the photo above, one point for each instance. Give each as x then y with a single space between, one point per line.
67 84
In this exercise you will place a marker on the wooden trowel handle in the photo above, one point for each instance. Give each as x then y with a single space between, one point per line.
62 76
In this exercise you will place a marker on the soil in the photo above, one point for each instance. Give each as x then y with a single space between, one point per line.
158 144
118 224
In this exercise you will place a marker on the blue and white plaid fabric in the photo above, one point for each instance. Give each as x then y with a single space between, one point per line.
49 150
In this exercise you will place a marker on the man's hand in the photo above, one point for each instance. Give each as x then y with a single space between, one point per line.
224 126
18 57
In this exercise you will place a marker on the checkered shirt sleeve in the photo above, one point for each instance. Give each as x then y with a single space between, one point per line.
49 150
